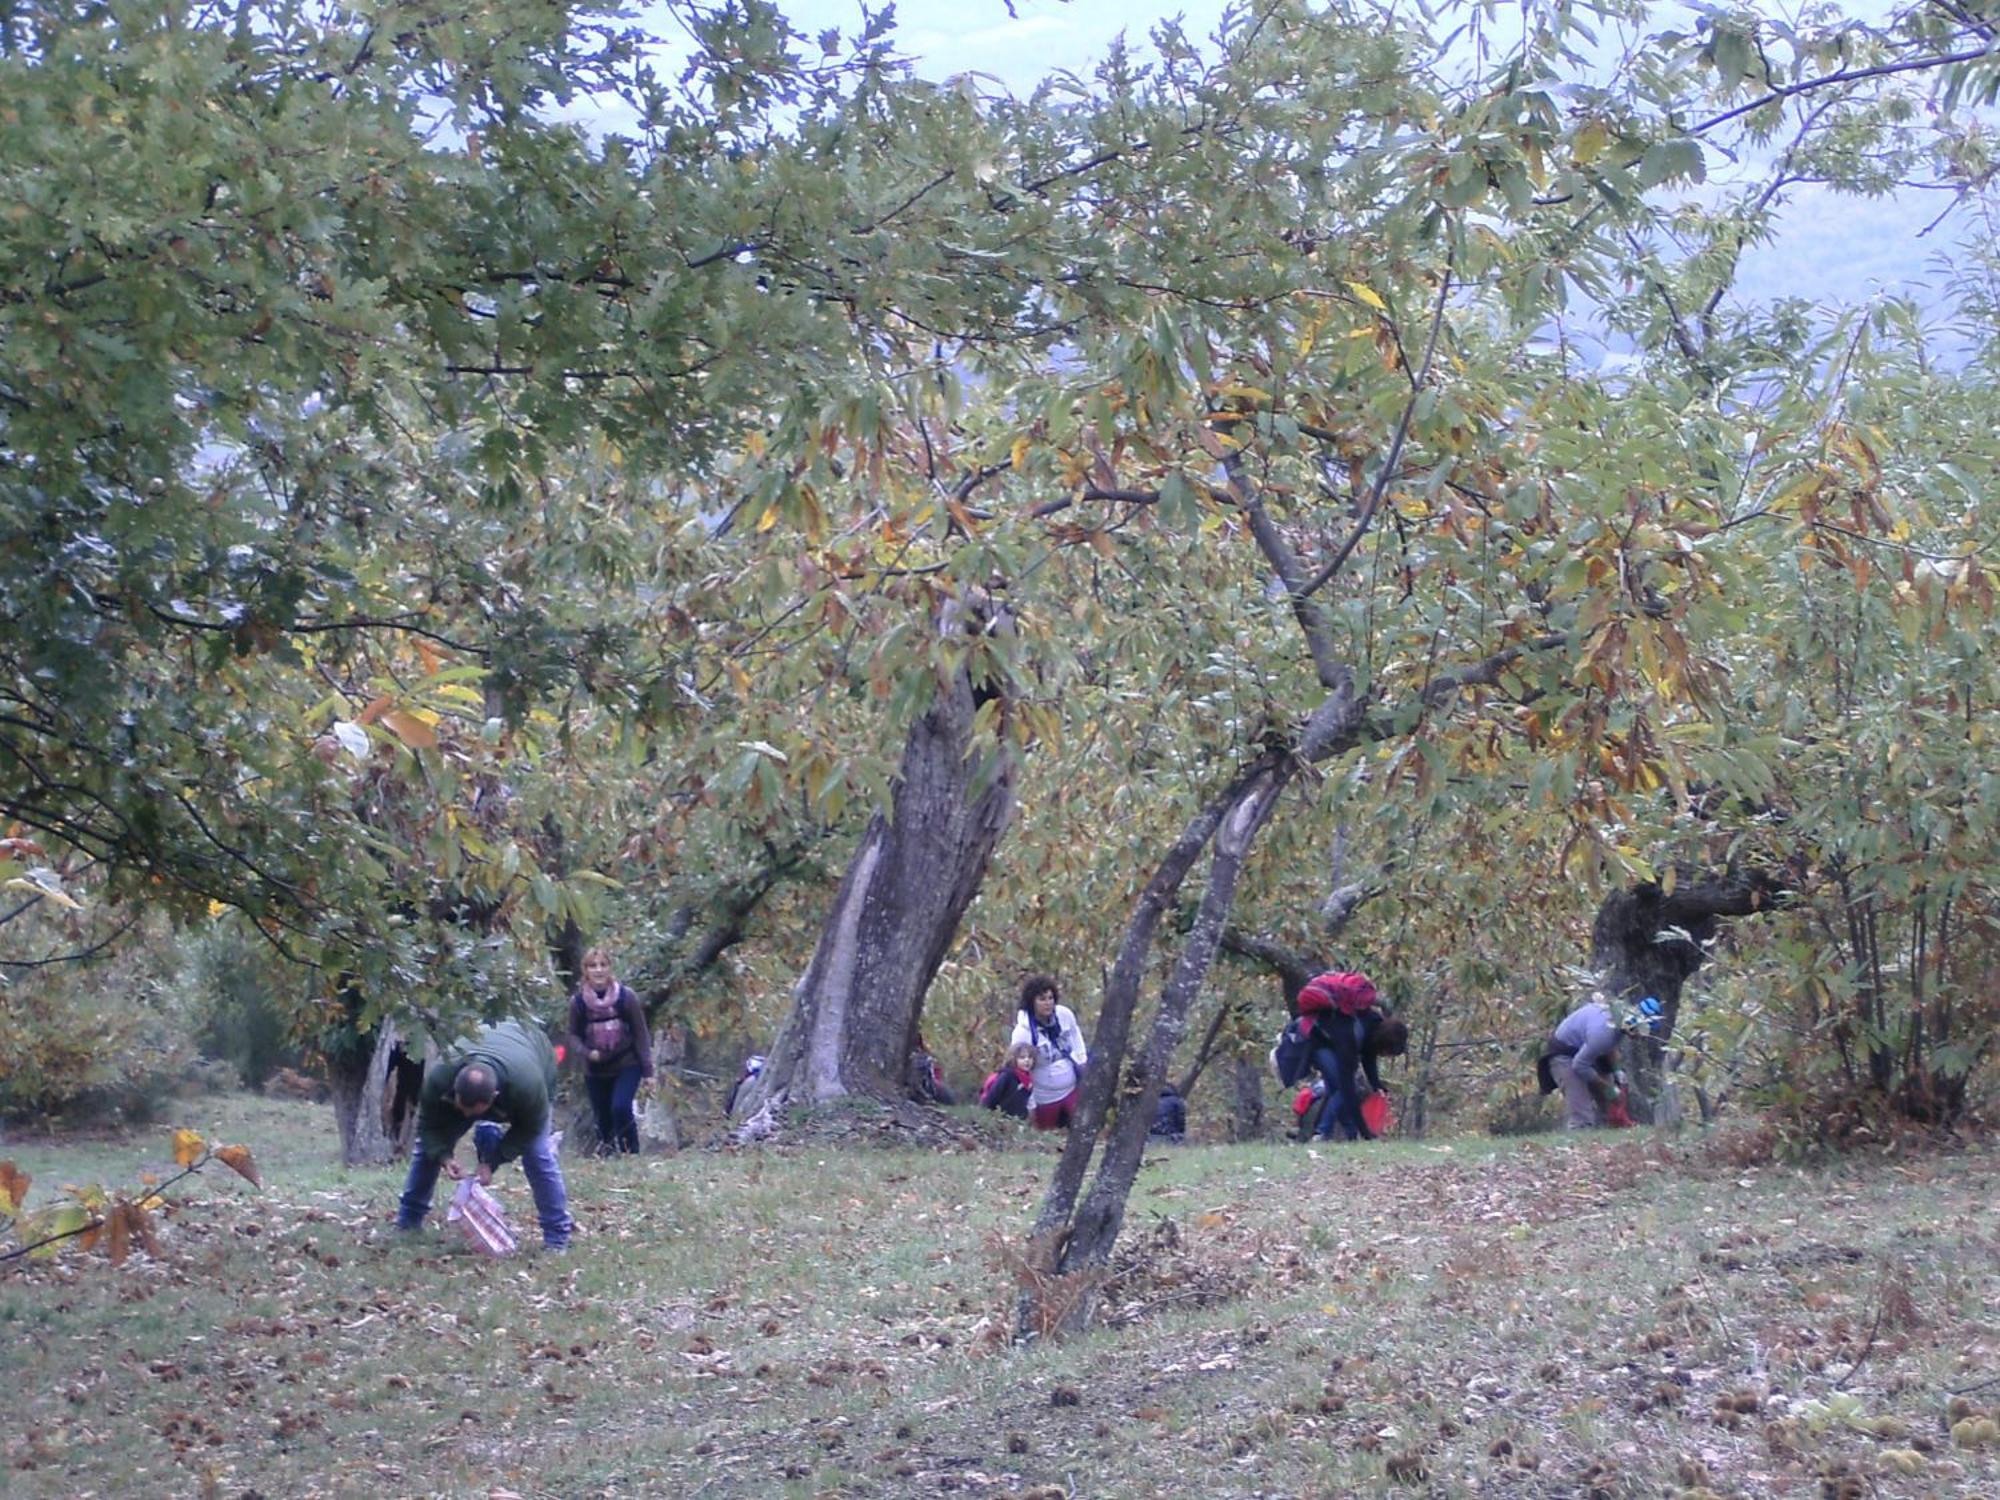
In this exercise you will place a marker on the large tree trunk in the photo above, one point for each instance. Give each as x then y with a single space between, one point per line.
1646 941
855 1012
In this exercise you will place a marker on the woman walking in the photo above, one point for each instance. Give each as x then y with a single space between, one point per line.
607 1029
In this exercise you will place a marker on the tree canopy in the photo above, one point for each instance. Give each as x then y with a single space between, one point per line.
431 523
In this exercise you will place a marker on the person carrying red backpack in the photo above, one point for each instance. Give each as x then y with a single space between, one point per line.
1345 1017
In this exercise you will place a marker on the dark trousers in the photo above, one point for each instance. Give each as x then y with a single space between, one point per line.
611 1096
1340 1111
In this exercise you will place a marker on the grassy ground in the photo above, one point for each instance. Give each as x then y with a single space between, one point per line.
1603 1318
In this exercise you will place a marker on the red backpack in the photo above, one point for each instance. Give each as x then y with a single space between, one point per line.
1338 990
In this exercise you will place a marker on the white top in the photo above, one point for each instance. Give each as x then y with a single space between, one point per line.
1056 1061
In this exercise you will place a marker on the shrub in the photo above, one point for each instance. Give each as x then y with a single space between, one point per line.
232 984
107 1042
1523 1112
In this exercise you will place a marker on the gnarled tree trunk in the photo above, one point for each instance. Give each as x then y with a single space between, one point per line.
1647 941
855 1012
359 1076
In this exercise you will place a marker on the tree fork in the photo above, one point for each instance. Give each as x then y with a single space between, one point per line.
1649 941
1069 1241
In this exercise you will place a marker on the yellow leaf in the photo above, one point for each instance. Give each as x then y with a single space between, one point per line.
1365 293
406 726
769 519
1590 143
187 1148
1019 456
13 1188
237 1159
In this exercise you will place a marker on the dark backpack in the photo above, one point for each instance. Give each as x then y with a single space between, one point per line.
1292 1057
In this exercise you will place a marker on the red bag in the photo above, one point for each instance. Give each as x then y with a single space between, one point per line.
1376 1114
1303 1100
1616 1115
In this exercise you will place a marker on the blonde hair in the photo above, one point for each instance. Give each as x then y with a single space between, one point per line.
590 953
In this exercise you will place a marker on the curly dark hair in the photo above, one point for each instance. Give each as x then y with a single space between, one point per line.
1036 984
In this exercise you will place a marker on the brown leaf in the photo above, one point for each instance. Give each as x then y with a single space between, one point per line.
118 1236
238 1160
410 729
142 1228
13 1187
188 1147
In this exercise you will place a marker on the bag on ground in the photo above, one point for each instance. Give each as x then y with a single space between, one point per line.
479 1214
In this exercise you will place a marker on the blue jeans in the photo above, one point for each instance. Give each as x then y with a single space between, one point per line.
538 1165
1341 1110
611 1096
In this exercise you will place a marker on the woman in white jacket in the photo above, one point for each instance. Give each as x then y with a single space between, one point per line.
1049 1026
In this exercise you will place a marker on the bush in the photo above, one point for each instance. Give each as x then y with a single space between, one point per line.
108 1043
1523 1112
232 983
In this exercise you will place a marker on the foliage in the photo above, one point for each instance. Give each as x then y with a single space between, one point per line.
237 997
90 1217
109 1039
1523 1111
430 529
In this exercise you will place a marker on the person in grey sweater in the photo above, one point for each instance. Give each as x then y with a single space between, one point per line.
1582 1056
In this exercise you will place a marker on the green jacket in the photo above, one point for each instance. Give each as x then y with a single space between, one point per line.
525 1065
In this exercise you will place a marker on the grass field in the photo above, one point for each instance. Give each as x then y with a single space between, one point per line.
1544 1317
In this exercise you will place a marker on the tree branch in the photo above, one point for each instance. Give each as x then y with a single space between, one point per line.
1849 75
1382 480
69 958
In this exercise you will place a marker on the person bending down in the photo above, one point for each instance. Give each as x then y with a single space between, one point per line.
497 1085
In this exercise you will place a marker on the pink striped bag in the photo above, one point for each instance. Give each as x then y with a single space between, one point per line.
478 1212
